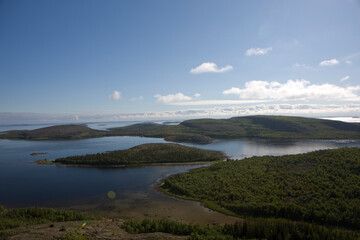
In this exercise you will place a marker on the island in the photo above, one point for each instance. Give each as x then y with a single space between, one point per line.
38 153
204 131
71 131
145 154
318 187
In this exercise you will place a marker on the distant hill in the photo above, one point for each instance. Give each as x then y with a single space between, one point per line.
207 130
55 132
251 126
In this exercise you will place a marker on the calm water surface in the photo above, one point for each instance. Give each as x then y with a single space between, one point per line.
23 183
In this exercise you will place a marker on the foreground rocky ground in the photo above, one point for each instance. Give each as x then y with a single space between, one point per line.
94 229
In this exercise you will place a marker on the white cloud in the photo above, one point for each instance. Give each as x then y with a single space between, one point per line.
210 67
301 66
328 63
344 78
180 99
139 98
172 98
197 95
216 102
348 62
115 96
257 51
351 56
294 90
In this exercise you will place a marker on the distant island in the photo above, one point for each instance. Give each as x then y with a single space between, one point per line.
71 131
145 154
38 153
320 187
203 131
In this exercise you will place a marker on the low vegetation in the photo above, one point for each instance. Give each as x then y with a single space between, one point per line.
199 139
14 218
321 187
145 154
260 228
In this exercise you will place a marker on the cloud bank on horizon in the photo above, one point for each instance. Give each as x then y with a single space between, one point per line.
320 110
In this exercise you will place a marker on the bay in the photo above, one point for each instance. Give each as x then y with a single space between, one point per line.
23 183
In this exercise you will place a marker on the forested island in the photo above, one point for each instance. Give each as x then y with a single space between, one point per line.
205 131
145 154
320 187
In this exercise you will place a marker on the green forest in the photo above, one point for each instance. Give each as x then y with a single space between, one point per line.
260 228
12 218
146 154
321 186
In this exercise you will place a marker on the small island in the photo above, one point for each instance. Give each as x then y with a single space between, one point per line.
38 153
146 154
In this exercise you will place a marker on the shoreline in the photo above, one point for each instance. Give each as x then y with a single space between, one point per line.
49 162
206 204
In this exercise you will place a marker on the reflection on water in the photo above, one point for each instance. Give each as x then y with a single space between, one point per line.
241 148
23 183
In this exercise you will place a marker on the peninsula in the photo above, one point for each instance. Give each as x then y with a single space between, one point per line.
320 187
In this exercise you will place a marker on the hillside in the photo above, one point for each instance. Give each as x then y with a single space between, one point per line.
72 131
251 126
174 133
252 228
205 131
145 154
45 223
321 186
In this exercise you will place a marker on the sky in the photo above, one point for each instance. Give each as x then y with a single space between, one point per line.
83 60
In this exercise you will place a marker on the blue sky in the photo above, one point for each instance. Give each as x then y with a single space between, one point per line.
143 59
